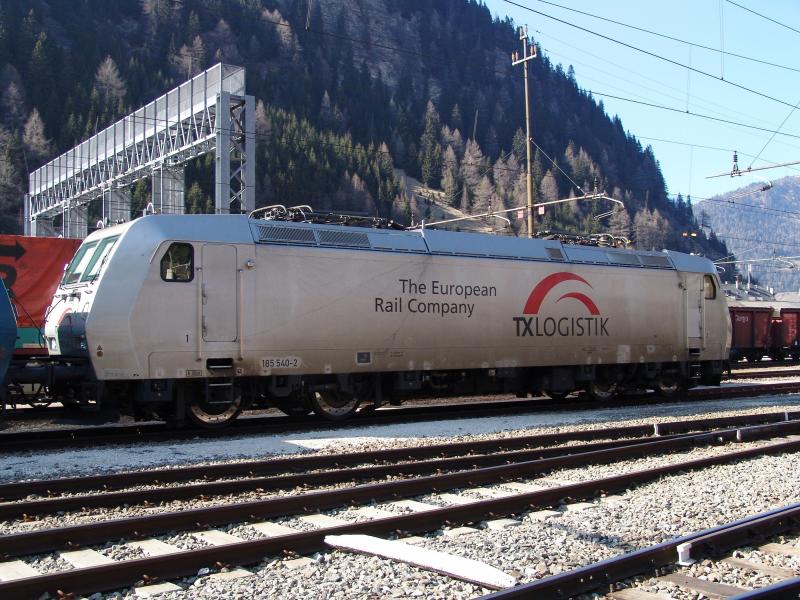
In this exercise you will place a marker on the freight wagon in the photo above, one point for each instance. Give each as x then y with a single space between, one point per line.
764 328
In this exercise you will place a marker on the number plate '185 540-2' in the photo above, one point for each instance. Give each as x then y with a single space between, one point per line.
281 362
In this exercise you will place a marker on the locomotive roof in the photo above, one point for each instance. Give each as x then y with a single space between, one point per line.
240 229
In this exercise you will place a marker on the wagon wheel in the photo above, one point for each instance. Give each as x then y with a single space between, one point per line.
36 398
602 390
334 405
668 386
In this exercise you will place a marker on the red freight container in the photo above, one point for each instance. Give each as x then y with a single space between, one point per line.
751 331
31 268
790 331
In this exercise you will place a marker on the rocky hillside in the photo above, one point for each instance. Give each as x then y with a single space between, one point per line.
761 225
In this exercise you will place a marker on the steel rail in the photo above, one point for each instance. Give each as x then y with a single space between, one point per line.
760 389
782 364
125 573
764 374
425 463
156 431
30 542
63 438
789 588
305 463
712 541
27 508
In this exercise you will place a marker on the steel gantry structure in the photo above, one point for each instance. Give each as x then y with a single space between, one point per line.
209 112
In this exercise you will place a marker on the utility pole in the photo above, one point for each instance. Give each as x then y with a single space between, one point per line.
528 53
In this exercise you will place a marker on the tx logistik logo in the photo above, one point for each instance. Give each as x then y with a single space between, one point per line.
591 326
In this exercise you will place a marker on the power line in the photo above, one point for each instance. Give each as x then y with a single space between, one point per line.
694 114
671 38
652 54
755 241
655 139
771 20
628 70
652 105
384 46
754 207
772 137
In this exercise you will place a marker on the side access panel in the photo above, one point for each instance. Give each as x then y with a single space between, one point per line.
693 298
220 301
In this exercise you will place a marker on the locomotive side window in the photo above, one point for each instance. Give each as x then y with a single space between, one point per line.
78 264
709 288
177 263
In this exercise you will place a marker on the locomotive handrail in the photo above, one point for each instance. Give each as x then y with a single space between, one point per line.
265 209
497 213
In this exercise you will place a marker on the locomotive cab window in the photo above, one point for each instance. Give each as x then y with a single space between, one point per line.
177 264
78 264
99 258
709 288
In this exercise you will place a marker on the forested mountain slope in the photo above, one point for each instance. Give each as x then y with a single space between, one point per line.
346 96
761 225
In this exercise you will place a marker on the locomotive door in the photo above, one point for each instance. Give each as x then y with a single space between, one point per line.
693 303
220 301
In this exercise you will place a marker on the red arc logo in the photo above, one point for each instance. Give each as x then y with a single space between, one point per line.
548 283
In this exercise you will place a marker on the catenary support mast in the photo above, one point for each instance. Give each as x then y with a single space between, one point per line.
528 53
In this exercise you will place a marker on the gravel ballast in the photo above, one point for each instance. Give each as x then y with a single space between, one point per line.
648 514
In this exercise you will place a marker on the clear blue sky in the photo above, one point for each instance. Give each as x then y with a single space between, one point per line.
604 66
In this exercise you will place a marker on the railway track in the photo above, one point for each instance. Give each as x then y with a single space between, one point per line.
672 562
17 500
154 432
389 481
763 374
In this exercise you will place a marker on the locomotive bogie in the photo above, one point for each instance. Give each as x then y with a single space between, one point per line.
204 315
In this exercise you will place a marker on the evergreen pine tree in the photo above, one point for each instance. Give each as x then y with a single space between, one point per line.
430 151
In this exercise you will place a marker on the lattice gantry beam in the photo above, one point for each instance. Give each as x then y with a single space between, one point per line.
208 112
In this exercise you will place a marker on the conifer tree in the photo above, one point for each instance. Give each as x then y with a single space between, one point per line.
430 150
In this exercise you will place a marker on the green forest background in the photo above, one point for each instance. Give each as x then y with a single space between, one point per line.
351 99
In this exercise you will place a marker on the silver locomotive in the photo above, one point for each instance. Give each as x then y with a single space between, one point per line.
198 316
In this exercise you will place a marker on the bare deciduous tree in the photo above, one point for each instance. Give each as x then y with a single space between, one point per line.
107 80
34 139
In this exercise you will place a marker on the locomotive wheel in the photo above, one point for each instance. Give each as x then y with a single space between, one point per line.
602 390
556 395
334 406
211 413
668 386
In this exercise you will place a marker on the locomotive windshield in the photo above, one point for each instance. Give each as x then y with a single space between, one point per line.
88 260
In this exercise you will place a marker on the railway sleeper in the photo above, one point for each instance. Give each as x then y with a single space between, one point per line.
125 573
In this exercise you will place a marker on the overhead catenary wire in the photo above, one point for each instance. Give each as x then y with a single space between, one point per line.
377 151
505 73
772 137
771 20
652 54
671 38
756 241
606 61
